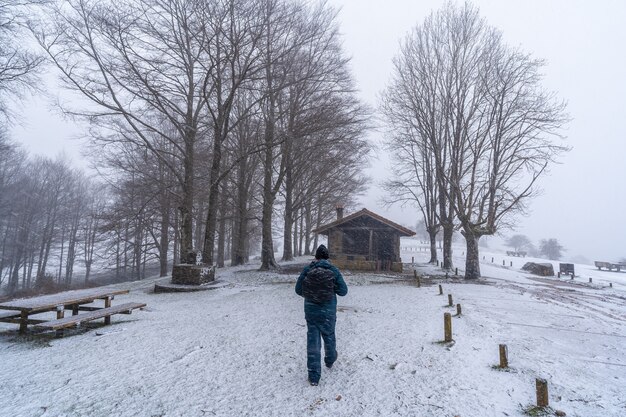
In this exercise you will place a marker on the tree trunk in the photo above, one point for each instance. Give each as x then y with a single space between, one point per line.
15 273
288 227
61 255
448 230
176 237
433 247
472 262
240 222
164 241
186 208
267 245
214 190
221 239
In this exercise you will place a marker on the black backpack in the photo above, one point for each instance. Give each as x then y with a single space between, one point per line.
318 285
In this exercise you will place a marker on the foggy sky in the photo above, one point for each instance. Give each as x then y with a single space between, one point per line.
582 42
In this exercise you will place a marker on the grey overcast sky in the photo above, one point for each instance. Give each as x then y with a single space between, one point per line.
583 44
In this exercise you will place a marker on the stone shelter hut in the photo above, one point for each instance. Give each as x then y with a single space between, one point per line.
364 241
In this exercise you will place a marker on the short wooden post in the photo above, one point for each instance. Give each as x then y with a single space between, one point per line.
107 304
412 259
542 392
450 304
456 271
511 264
60 314
590 280
504 356
458 309
440 290
492 259
610 284
417 278
447 327
503 264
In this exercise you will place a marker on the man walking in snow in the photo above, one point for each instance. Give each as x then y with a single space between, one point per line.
319 284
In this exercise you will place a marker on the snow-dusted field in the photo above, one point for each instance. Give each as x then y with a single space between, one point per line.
240 350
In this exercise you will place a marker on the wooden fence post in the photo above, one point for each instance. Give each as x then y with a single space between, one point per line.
417 278
458 309
542 392
440 290
504 358
610 284
450 304
590 280
447 327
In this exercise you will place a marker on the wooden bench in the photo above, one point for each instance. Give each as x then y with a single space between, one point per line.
567 269
610 266
77 319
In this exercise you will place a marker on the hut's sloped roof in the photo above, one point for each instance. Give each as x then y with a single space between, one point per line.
403 231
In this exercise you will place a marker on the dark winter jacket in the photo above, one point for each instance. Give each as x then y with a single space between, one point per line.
312 309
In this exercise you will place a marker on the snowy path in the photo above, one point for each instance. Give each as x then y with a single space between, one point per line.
240 351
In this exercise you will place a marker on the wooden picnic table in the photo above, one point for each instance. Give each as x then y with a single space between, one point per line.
20 310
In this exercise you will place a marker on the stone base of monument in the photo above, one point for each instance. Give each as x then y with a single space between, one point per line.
188 274
169 287
190 277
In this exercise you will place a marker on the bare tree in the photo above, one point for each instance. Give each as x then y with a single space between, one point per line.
491 125
18 64
415 107
139 63
518 242
234 31
306 82
414 178
551 249
320 116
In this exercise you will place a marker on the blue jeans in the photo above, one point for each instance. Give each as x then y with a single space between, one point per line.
324 327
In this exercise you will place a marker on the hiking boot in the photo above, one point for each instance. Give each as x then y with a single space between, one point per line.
330 364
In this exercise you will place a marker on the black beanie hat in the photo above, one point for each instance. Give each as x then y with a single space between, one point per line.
321 252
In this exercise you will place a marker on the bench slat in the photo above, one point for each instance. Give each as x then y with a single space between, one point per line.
9 314
91 315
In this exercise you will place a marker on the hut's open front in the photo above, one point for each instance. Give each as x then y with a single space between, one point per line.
365 241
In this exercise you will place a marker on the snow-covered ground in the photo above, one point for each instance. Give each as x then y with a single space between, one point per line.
240 350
